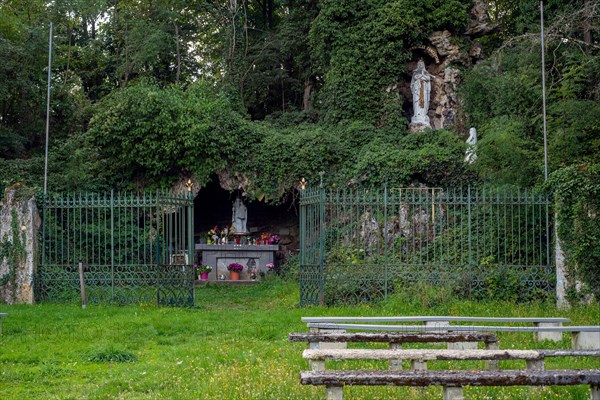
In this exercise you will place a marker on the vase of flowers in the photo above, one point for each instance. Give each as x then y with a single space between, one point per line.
234 271
202 271
265 237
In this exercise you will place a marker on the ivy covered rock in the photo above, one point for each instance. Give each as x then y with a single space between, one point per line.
19 225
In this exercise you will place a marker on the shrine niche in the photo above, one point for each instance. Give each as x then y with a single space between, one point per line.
443 55
231 228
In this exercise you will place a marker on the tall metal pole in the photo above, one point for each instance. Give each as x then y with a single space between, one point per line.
48 111
544 91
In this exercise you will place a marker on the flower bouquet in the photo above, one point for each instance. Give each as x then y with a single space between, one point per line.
213 235
265 237
274 239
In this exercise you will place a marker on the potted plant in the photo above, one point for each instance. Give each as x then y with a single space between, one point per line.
234 271
270 267
202 271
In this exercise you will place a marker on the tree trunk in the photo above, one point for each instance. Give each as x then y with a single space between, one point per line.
126 72
308 87
270 13
587 22
178 50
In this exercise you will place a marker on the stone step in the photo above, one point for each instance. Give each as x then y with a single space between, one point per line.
243 282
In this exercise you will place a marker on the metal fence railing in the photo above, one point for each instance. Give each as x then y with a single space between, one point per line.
359 245
133 248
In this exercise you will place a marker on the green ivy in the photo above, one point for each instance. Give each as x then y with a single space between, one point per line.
577 196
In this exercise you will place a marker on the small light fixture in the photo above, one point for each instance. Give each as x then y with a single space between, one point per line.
189 185
303 184
23 228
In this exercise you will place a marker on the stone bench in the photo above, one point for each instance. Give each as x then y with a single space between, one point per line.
339 340
2 315
583 337
441 321
419 357
452 381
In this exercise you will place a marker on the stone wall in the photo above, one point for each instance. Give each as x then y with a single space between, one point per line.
19 225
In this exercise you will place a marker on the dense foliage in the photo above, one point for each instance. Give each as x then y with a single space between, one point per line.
145 93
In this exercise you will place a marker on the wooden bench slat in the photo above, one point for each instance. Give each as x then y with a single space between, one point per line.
391 337
451 378
433 319
455 328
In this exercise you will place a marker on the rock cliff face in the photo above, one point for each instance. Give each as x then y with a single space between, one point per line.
444 56
19 225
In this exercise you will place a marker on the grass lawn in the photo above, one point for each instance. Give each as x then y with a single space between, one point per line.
232 345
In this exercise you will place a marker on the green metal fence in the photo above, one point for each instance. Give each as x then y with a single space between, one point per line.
360 245
133 248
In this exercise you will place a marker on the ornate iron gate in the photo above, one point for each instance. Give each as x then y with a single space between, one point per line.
359 245
134 248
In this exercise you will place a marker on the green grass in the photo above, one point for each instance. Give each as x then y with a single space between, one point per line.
232 345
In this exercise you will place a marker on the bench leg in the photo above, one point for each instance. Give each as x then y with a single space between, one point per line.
462 346
586 341
595 392
418 365
335 393
438 324
395 365
535 365
317 365
492 364
333 345
453 393
553 336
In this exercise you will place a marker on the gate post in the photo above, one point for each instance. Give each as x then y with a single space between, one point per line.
112 245
321 242
385 241
190 234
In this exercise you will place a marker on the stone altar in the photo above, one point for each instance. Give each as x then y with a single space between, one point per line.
221 255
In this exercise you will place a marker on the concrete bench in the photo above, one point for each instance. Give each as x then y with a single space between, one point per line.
339 340
584 337
452 381
419 357
2 315
441 321
316 338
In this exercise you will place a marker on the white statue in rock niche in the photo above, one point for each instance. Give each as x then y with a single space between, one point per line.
239 216
420 86
470 154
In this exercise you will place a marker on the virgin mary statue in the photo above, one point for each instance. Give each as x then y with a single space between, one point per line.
420 86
